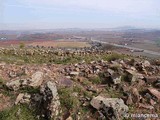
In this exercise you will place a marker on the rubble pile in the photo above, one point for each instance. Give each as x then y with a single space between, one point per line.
107 89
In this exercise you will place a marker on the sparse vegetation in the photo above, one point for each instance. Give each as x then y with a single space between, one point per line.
95 79
113 56
19 112
62 44
1 81
22 45
12 56
30 90
67 98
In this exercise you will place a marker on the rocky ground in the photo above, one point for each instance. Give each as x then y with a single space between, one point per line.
79 84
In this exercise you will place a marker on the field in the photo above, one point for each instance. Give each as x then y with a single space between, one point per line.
56 44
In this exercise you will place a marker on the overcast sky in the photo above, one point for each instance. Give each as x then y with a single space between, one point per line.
50 14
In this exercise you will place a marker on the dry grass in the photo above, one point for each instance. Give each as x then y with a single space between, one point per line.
70 44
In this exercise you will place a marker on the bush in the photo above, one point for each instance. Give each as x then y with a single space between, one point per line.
113 57
95 79
21 45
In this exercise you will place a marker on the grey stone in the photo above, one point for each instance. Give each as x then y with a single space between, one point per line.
37 79
105 105
15 84
51 103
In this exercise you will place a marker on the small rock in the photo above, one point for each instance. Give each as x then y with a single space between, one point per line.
74 73
146 63
154 92
111 71
15 84
135 95
129 100
157 83
23 98
117 80
69 118
19 98
145 106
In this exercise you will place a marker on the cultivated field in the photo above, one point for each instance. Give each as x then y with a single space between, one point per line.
57 44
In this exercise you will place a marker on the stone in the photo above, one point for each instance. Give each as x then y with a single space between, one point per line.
23 98
65 82
151 79
146 106
117 80
74 73
19 98
146 63
14 85
69 118
135 95
110 107
111 71
37 79
50 107
134 76
129 100
157 83
12 74
154 92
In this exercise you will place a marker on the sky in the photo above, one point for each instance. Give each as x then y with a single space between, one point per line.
53 14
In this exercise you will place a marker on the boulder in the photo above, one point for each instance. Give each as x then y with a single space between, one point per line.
111 108
50 104
37 79
14 85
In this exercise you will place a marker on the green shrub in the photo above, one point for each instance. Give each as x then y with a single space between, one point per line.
95 79
21 45
113 57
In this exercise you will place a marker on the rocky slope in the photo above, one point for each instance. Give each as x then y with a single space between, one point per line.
95 85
